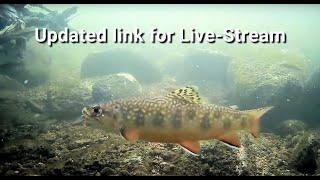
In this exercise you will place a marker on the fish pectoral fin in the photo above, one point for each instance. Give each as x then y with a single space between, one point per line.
131 135
192 147
231 139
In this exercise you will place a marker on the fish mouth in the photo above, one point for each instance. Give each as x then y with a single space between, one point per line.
85 112
85 115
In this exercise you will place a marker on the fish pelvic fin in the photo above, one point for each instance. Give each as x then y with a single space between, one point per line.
231 139
192 147
256 119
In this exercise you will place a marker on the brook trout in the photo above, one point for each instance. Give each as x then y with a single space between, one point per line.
179 117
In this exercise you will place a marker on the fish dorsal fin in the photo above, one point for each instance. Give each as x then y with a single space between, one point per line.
231 139
192 147
185 95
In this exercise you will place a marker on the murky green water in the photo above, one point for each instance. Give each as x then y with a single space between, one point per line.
43 89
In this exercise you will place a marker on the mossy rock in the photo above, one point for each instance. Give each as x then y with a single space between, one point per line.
262 82
61 99
275 78
6 83
291 127
119 61
34 67
305 154
199 66
115 86
310 100
64 99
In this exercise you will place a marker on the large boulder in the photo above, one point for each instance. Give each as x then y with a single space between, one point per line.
309 105
62 100
305 153
115 86
14 109
6 83
205 69
201 66
34 67
8 54
276 80
261 83
291 127
118 61
20 118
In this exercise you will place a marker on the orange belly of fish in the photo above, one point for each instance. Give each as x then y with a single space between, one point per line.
177 136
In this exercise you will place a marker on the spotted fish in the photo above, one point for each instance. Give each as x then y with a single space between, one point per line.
179 117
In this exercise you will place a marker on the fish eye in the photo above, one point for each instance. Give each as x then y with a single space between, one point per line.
116 106
96 109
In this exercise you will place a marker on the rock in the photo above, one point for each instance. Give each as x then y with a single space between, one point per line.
161 88
107 171
55 172
314 80
318 163
218 157
266 155
169 168
137 160
34 107
274 78
10 173
63 100
31 68
291 127
16 110
115 86
119 61
83 142
202 66
54 160
205 69
14 100
6 83
9 97
271 86
305 153
14 70
96 165
124 173
38 66
309 106
45 152
79 143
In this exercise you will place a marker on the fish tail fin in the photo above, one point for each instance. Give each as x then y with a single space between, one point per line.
256 119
